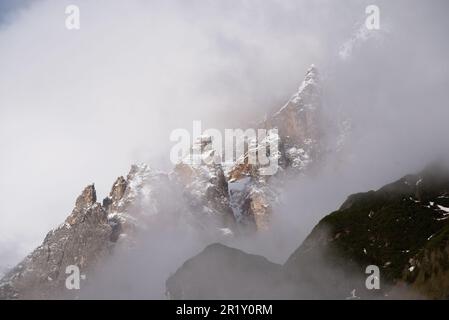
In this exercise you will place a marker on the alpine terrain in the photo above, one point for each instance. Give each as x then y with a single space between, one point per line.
215 200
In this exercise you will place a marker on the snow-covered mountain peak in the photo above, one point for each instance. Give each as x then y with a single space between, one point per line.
308 94
198 194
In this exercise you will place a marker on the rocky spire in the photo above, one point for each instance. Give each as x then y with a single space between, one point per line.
308 94
118 189
312 74
83 240
299 122
87 198
116 194
299 125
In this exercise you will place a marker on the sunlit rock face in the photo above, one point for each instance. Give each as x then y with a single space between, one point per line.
299 122
299 137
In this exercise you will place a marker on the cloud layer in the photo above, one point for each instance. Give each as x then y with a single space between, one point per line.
80 106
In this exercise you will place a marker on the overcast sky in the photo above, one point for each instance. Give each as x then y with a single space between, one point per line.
78 107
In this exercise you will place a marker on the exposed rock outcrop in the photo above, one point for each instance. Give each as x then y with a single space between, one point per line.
299 137
82 240
204 186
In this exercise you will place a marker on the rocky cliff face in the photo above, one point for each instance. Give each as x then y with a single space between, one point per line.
82 240
204 188
217 200
300 123
299 135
